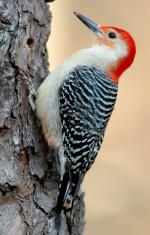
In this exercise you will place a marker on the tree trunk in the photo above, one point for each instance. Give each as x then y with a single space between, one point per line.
29 172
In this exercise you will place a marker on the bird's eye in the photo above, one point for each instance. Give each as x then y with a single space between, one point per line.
112 35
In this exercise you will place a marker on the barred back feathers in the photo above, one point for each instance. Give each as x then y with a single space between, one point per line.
87 98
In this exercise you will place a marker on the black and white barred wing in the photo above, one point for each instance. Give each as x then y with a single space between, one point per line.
87 98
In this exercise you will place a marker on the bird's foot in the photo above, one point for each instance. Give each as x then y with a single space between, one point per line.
32 97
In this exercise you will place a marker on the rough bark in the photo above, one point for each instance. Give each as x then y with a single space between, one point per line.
29 173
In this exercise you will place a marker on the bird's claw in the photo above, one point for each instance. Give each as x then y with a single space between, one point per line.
32 97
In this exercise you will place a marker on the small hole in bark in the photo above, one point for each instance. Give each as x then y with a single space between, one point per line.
30 43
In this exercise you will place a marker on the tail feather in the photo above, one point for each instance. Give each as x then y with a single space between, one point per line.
63 191
68 190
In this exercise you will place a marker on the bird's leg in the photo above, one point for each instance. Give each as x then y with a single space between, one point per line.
32 97
32 92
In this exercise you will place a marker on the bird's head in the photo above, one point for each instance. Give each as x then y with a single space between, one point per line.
117 47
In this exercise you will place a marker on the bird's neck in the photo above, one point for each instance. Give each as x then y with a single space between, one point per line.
97 56
115 73
120 66
111 62
107 61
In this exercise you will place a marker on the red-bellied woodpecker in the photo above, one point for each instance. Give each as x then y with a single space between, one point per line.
76 100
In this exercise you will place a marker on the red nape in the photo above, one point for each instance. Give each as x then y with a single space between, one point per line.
125 62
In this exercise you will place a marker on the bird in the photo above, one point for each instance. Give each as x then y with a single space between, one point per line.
75 102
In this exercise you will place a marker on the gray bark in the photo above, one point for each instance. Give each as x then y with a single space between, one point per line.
28 171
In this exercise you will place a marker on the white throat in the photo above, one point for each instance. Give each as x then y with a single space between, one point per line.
101 56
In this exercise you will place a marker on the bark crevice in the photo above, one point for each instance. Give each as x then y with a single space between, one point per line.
29 171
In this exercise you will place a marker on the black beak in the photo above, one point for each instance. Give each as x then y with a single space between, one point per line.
89 23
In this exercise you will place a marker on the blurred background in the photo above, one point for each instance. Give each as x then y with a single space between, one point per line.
117 188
